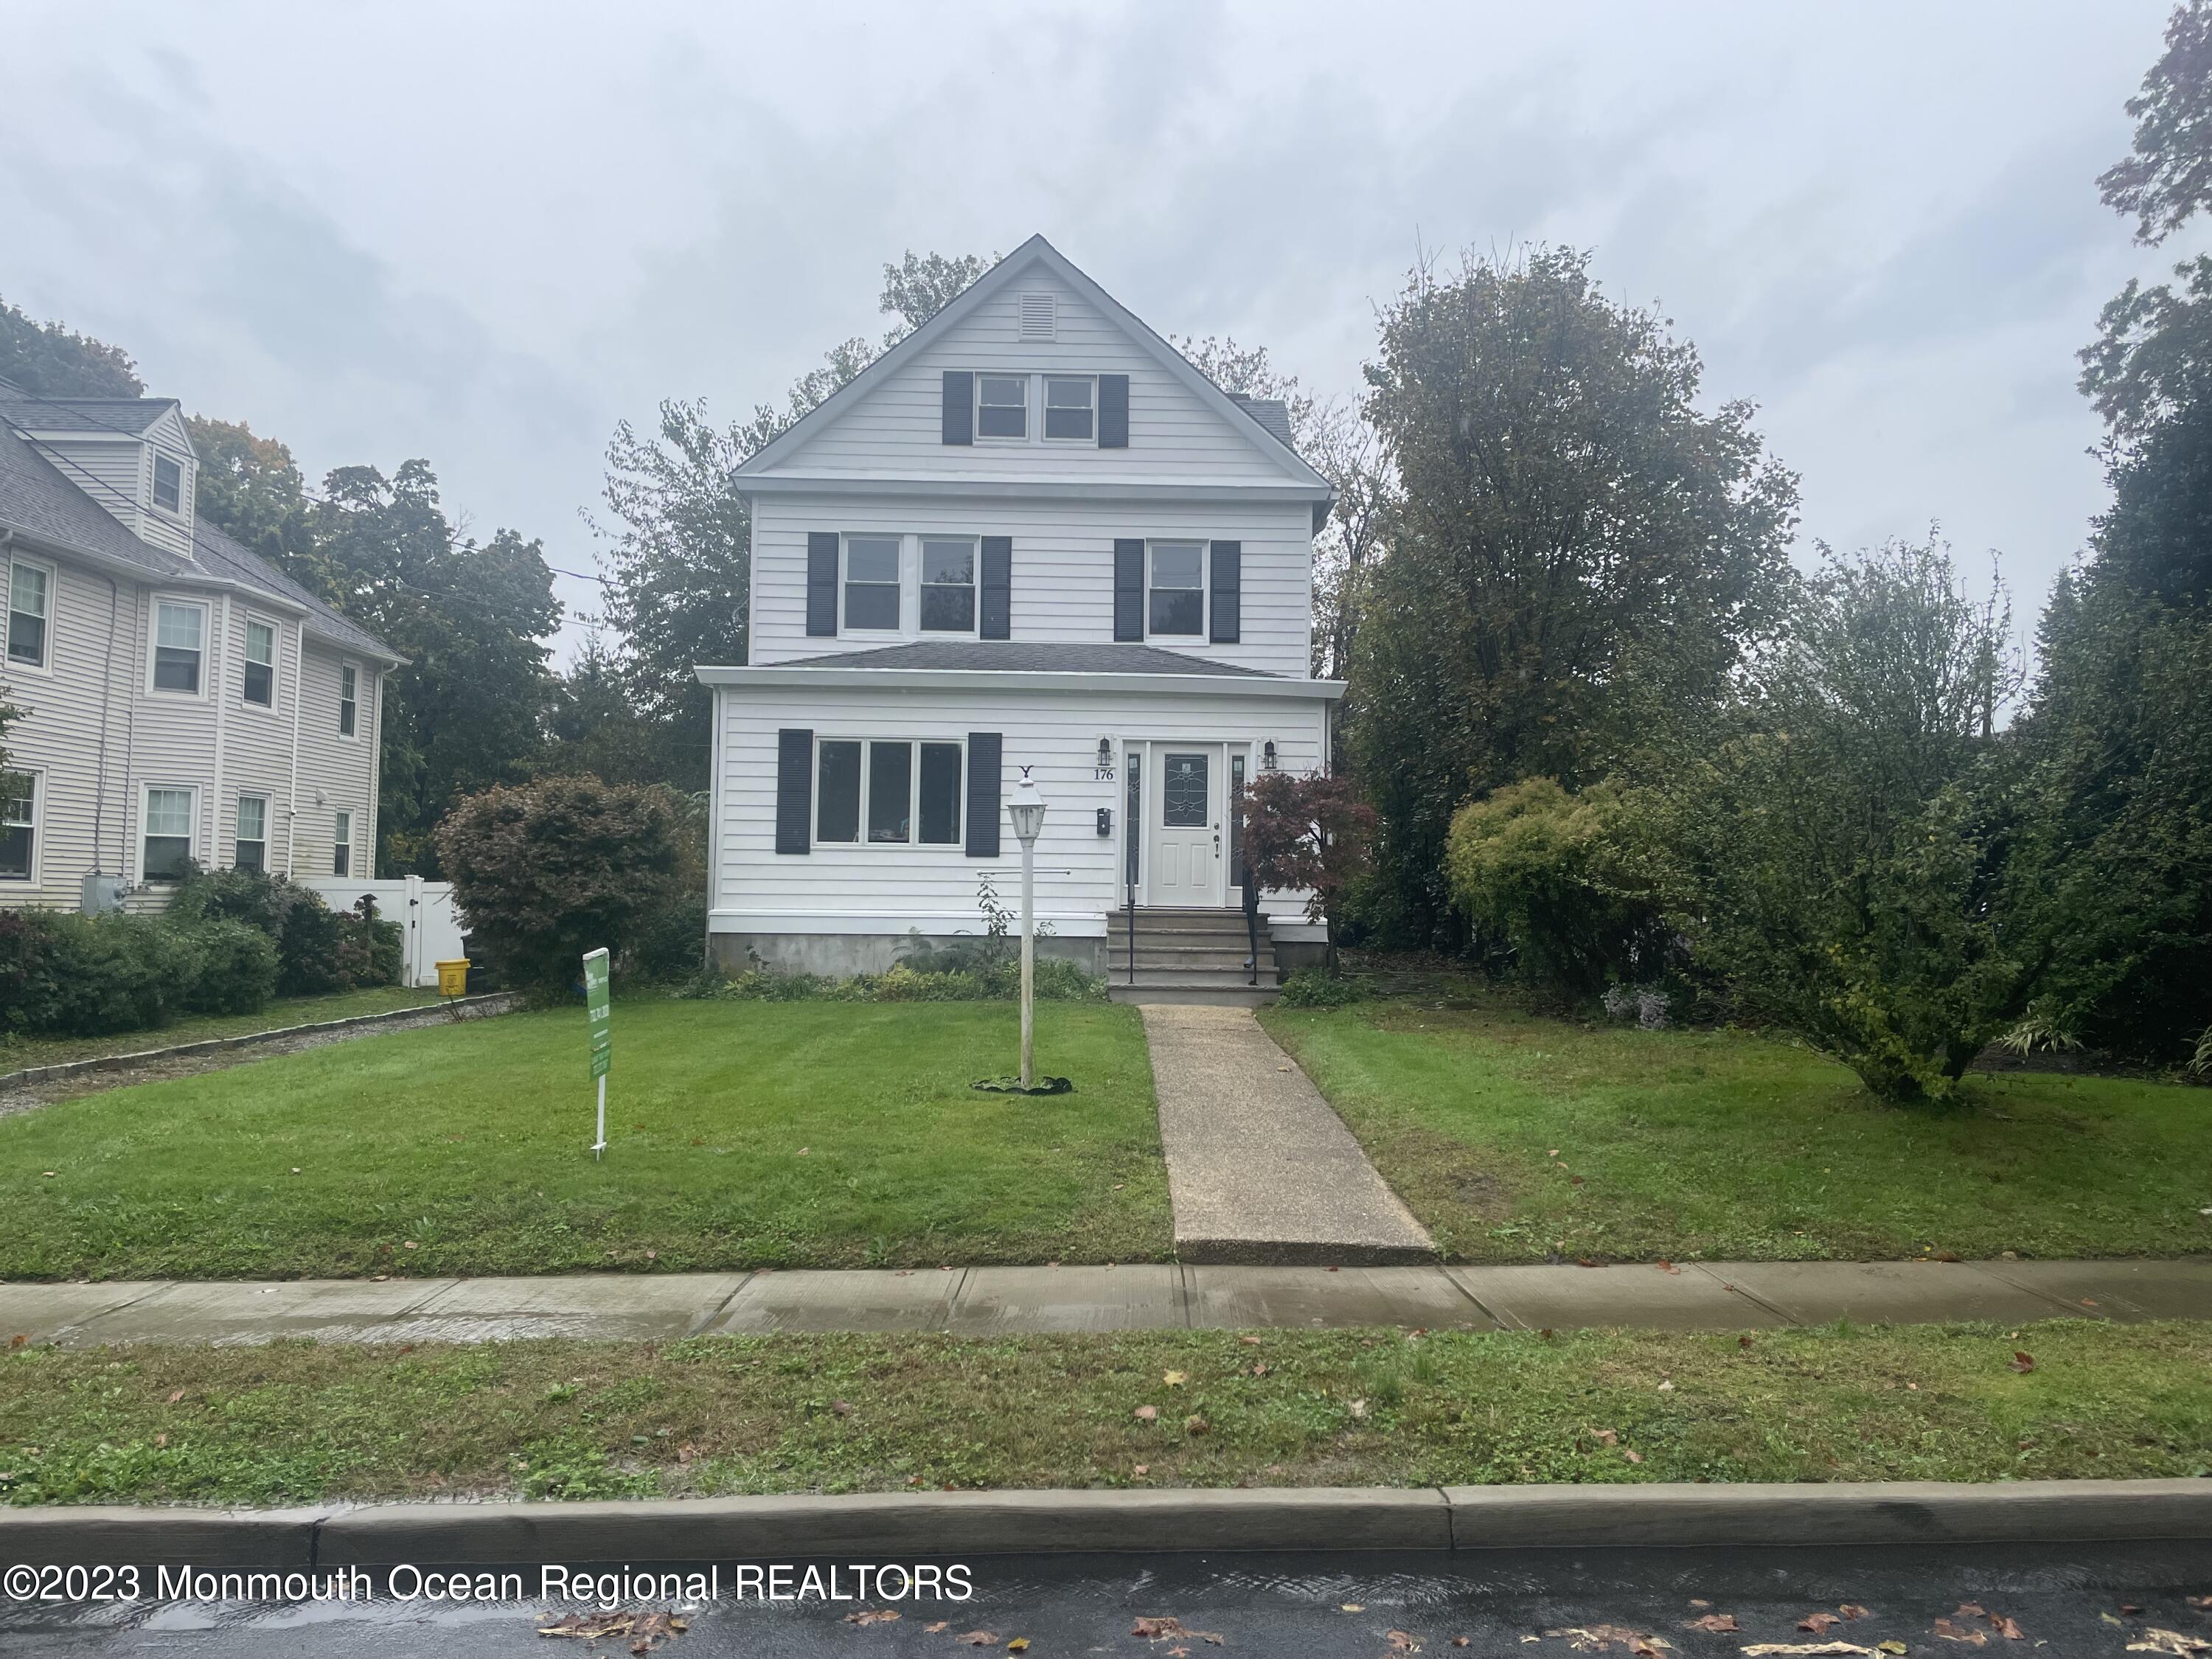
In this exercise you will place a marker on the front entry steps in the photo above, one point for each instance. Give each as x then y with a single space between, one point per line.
1188 956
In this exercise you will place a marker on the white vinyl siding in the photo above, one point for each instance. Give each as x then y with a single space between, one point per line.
1063 568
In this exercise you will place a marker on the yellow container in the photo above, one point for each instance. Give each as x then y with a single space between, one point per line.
453 978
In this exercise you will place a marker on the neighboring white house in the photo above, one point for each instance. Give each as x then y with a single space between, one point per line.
179 698
1032 537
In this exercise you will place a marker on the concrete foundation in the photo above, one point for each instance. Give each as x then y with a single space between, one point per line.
840 955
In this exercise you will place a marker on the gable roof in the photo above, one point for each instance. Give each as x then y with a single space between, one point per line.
225 555
115 416
1239 414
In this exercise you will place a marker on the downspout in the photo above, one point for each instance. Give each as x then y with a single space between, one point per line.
292 808
219 659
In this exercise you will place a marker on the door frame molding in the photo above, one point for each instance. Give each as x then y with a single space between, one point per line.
1137 752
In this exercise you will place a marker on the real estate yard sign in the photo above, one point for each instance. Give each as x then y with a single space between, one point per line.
599 1012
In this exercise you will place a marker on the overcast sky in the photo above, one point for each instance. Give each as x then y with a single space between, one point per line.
483 233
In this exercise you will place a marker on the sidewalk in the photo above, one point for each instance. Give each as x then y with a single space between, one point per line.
1008 1301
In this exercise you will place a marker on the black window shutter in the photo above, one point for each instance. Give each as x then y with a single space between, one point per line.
1129 589
983 753
1113 411
959 418
1228 586
821 585
997 596
794 788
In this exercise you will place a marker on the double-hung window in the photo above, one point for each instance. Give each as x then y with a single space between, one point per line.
1002 406
871 582
1177 598
1068 410
342 846
252 832
168 840
19 825
887 792
179 644
260 686
168 484
30 604
348 707
948 585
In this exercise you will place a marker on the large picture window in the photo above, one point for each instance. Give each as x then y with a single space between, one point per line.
19 826
948 586
30 604
871 582
179 646
260 685
168 840
887 792
1178 599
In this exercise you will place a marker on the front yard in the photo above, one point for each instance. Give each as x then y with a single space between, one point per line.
297 1424
743 1134
17 1052
1516 1139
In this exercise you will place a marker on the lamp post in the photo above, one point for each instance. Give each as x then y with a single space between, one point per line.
1027 810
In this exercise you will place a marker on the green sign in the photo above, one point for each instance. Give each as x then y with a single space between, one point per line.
600 1013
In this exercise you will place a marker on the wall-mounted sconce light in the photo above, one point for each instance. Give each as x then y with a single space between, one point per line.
1105 772
1267 756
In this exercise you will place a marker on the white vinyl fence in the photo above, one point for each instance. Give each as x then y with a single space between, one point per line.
424 909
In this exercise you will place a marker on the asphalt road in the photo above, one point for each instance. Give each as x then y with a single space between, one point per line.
2072 1601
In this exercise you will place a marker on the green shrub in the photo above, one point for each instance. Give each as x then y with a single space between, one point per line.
1056 980
101 974
1316 988
670 943
319 950
236 969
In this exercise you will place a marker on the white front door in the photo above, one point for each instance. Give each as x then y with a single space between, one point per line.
1185 823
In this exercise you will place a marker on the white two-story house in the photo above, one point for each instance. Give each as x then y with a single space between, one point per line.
178 698
1031 537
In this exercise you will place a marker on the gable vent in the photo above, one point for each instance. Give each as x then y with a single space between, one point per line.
1039 316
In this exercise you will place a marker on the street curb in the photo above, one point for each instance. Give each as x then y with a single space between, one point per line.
67 1068
923 1525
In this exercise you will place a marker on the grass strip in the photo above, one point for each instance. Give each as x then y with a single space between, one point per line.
557 1419
19 1053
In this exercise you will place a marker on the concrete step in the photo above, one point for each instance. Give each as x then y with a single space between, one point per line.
1191 978
1192 996
1150 961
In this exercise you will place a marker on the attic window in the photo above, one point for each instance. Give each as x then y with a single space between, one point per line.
1039 316
169 484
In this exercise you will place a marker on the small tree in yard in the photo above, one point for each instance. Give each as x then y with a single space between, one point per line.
545 872
1306 832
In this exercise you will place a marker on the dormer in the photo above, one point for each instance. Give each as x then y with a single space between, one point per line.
131 455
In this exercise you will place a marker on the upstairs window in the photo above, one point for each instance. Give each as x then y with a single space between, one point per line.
948 586
19 825
261 687
168 843
168 484
1178 599
252 833
1068 411
1002 406
871 582
30 600
180 635
348 708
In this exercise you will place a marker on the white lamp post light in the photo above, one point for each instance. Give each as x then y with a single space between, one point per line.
1027 810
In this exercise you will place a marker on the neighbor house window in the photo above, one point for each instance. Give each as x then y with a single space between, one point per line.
30 603
342 846
349 709
1002 406
168 484
888 792
1178 592
168 843
948 586
19 825
1067 406
261 663
871 581
254 833
180 631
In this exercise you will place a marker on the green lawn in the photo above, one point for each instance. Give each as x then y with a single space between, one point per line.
295 1423
792 1134
17 1052
1728 1144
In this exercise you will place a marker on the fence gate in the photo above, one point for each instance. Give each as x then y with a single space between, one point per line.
431 926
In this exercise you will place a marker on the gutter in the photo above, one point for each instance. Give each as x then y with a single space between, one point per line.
993 679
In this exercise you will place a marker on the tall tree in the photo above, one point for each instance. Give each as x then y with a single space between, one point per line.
678 589
251 488
51 361
2167 176
1576 554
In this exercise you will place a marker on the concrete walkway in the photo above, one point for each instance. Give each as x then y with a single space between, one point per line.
1005 1300
1260 1170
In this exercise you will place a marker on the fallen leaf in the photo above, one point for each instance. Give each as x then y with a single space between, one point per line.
1700 1602
803 1151
1743 1342
1893 1645
1604 1638
1359 1408
1174 1379
936 1629
872 1616
2129 1607
2008 1628
843 1407
1250 1341
1196 1425
2169 1641
1353 1606
1632 1457
1459 1641
175 1397
1819 1624
1153 1626
1666 1267
1714 1621
1951 1632
161 1439
1605 1437
2202 1603
1809 1648
977 1638
1019 1644
408 1245
2022 1361
19 1339
1259 1368
1944 1255
1856 1610
1147 1413
1142 1468
1402 1641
